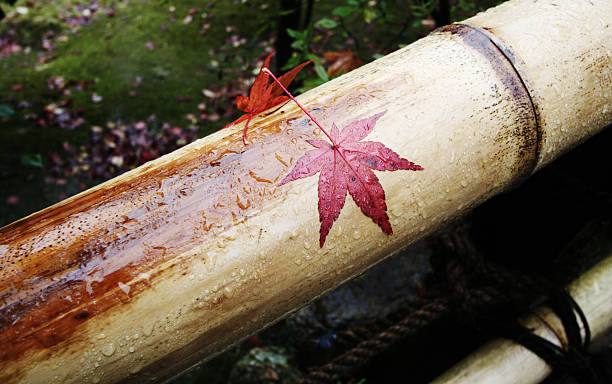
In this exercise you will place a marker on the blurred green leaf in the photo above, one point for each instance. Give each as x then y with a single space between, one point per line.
300 45
310 83
32 160
6 110
369 15
343 11
321 72
287 12
296 34
327 23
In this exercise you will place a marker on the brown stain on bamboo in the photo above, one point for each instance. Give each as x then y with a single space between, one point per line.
62 266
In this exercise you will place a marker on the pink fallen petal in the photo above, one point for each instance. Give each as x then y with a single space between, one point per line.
12 200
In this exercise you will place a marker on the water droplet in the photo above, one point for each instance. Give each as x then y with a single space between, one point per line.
356 234
242 272
211 259
101 336
108 349
131 349
464 183
148 331
124 287
144 276
297 261
135 369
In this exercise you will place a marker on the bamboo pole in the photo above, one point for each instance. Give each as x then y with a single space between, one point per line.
153 271
505 362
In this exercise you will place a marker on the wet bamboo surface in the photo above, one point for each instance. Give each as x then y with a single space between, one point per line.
149 273
505 362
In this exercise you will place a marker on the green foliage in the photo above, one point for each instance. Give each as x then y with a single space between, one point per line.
301 44
421 10
6 110
464 6
313 82
344 11
336 23
32 160
367 10
462 9
327 23
362 381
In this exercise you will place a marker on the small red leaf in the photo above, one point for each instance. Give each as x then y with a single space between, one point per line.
263 95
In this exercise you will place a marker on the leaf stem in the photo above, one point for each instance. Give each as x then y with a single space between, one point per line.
335 146
244 132
266 70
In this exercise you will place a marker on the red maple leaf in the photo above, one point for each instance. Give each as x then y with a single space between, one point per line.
263 95
346 165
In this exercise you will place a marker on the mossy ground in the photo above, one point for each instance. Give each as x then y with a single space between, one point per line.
109 55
